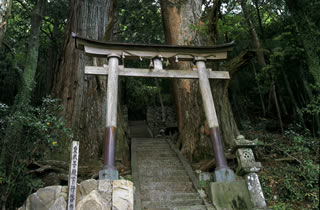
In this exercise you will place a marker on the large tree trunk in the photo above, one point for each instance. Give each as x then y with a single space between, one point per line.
5 9
177 17
213 21
84 97
194 131
254 34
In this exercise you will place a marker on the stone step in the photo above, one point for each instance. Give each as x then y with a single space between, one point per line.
168 161
172 203
147 140
166 186
154 139
152 148
156 158
150 143
180 178
196 207
157 195
156 154
169 158
164 183
160 173
153 144
154 151
159 166
151 139
144 146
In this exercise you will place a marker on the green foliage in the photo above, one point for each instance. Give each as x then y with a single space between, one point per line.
140 21
292 184
13 54
43 131
8 76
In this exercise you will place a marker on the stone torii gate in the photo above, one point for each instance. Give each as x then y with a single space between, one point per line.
199 55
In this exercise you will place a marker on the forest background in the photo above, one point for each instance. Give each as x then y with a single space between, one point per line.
273 95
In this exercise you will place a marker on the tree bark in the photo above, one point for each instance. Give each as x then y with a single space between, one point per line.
277 107
5 9
177 16
219 88
259 89
256 4
163 113
292 98
194 131
308 90
213 21
255 37
83 96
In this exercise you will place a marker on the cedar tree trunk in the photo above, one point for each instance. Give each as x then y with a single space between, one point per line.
83 96
194 141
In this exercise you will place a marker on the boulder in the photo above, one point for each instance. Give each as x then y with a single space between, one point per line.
91 194
87 186
93 201
59 204
46 198
122 195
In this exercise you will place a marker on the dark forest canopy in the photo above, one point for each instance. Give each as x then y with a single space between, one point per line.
273 94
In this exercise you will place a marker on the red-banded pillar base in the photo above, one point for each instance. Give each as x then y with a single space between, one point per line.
222 172
109 170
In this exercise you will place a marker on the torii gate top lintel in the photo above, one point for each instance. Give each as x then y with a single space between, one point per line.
198 54
129 50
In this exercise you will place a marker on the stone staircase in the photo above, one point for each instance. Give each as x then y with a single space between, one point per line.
160 178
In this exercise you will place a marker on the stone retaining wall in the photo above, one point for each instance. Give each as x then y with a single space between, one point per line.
91 194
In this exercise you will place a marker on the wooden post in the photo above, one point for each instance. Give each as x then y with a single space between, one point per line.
157 63
222 171
109 171
73 173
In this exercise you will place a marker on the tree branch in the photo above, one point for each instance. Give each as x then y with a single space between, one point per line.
241 60
213 21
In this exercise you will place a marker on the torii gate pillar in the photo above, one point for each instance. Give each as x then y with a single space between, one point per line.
109 170
222 172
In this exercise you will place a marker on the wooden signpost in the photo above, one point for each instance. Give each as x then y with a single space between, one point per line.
73 173
156 53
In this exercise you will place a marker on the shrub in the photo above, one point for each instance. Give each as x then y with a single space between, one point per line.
38 131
